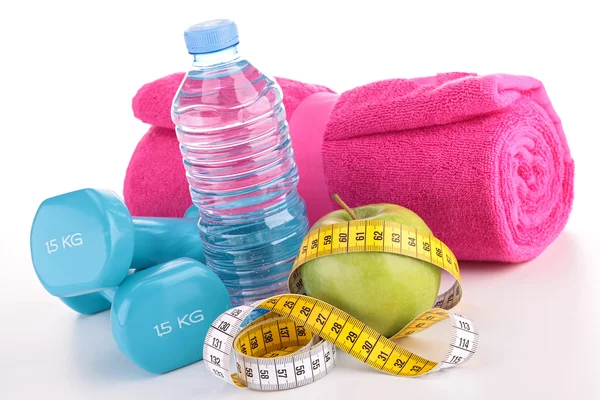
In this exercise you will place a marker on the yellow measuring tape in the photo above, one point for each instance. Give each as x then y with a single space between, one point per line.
295 342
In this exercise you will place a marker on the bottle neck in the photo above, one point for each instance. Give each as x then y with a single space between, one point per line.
224 56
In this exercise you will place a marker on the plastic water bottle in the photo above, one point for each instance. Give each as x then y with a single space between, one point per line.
237 152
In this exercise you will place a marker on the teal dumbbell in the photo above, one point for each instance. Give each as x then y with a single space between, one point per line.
84 245
160 315
86 241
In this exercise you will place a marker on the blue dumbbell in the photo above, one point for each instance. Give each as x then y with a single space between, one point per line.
86 241
83 245
160 315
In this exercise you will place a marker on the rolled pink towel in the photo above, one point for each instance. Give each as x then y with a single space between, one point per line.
482 159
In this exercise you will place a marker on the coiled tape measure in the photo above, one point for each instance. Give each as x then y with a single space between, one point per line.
295 343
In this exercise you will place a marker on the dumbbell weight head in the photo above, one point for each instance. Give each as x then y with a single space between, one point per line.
86 241
160 316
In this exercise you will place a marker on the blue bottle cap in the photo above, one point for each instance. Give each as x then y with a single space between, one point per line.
211 36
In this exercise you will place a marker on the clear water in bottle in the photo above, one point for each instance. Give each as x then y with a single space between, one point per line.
237 152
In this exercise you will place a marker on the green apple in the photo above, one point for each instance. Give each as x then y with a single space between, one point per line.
385 291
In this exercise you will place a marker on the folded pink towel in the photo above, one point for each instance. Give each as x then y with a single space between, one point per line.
483 159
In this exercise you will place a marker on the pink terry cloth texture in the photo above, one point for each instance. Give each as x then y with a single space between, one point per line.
482 159
155 181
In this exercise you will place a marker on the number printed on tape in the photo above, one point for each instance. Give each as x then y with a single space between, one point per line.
295 343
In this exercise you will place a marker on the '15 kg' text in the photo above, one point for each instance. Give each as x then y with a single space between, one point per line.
65 242
165 328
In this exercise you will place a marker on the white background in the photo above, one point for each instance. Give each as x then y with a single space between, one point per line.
70 70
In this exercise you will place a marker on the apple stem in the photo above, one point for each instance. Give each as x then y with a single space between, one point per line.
339 200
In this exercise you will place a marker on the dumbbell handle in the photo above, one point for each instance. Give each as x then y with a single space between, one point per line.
158 240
